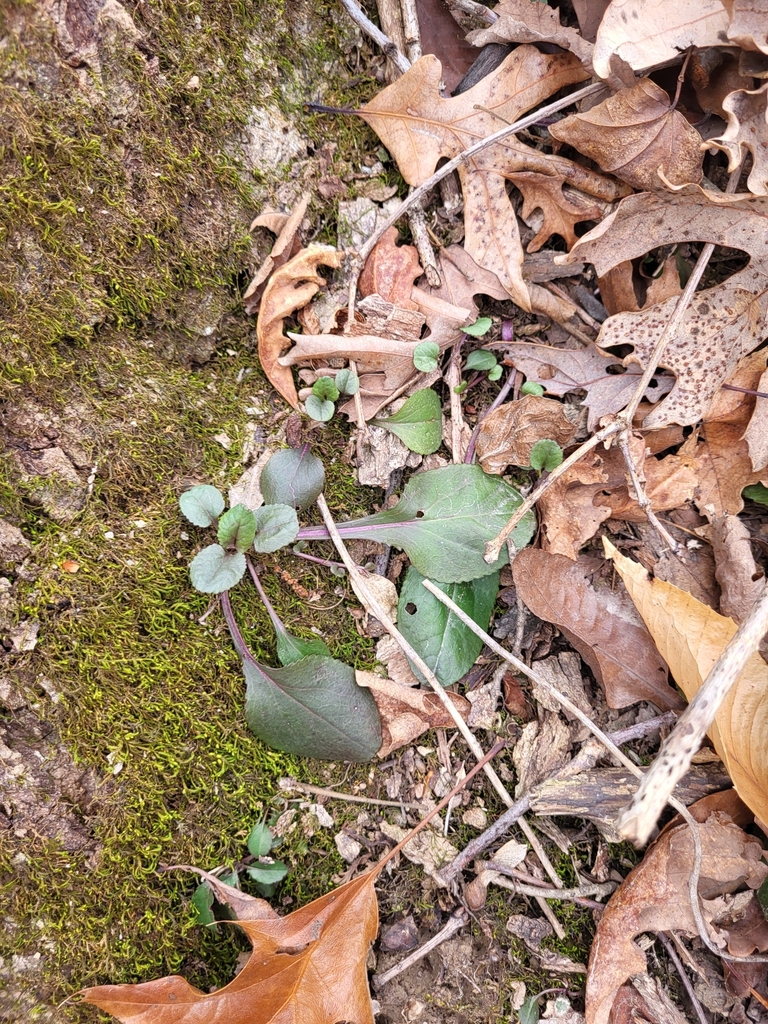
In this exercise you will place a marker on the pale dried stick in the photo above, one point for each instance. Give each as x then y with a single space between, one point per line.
446 169
525 889
452 380
420 234
411 29
585 759
455 923
475 9
623 421
373 606
287 785
621 757
672 954
358 401
364 23
673 760
644 502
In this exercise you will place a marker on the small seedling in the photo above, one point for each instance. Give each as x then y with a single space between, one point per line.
546 455
532 388
425 356
482 359
479 327
325 392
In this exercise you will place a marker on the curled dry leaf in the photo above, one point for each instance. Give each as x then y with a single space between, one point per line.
508 434
286 245
561 210
601 625
646 32
654 898
419 127
722 324
634 134
526 21
747 28
561 370
407 712
289 288
747 132
390 271
308 966
691 637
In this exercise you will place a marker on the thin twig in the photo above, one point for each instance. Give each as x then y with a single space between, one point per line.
672 954
643 501
384 43
351 798
446 169
411 29
455 923
452 380
574 895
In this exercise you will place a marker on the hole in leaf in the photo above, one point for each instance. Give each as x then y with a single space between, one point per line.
615 369
411 608
420 514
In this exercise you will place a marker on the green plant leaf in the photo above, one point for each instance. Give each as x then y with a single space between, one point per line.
313 708
425 356
495 372
481 359
531 388
202 505
293 476
214 570
479 327
267 874
292 648
237 528
461 388
325 389
202 901
448 646
546 454
347 382
418 423
443 521
529 1011
318 409
276 526
259 840
757 492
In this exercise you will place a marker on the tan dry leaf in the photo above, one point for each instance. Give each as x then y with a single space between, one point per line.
601 625
391 270
289 288
419 127
561 370
508 434
654 898
722 324
429 848
756 434
691 637
527 21
308 966
747 132
286 245
748 25
741 583
561 211
633 134
714 74
407 712
665 285
646 32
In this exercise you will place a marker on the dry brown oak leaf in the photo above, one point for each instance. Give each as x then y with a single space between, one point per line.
507 436
601 625
309 966
528 21
419 128
634 134
654 898
391 271
560 370
287 244
722 324
290 288
748 27
747 130
646 32
561 210
690 636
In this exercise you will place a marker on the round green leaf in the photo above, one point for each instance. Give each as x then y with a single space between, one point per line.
268 874
325 389
425 356
319 409
259 840
202 505
276 526
757 492
214 570
481 359
293 476
546 454
347 382
202 901
495 372
479 327
418 423
531 388
237 528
